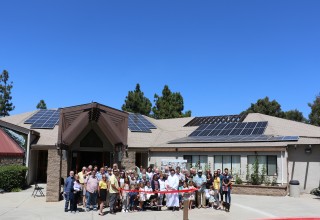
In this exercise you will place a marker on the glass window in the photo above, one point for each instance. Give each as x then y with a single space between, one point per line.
203 162
228 161
198 161
218 162
236 167
272 165
189 161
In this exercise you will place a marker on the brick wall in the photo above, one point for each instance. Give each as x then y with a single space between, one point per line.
129 160
53 176
260 190
4 161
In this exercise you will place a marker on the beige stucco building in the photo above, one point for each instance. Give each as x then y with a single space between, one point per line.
97 134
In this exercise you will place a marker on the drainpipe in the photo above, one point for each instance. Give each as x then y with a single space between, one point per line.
281 169
27 157
28 149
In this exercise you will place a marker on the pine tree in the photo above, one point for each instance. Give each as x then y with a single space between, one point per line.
314 116
169 105
136 102
5 94
42 104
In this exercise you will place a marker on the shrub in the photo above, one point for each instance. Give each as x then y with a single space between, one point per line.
13 176
238 180
255 176
267 181
274 181
15 190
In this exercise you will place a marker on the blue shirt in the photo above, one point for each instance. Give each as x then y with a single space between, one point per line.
68 185
199 181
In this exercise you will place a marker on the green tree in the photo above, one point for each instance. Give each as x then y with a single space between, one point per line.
169 105
42 104
136 102
5 94
294 115
267 107
314 116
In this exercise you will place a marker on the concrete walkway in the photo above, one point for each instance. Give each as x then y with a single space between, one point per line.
22 205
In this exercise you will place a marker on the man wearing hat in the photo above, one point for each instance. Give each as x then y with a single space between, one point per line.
200 181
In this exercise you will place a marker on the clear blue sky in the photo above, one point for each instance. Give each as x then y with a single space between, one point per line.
221 55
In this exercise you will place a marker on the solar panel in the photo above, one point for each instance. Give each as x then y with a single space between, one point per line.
44 118
138 123
216 119
229 129
234 138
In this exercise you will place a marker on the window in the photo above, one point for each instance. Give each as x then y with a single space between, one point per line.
227 161
270 163
199 161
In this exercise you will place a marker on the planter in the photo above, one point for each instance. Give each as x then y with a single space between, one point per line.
259 190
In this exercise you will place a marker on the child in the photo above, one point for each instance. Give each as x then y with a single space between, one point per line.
162 188
124 194
132 197
180 187
192 195
211 198
149 196
142 196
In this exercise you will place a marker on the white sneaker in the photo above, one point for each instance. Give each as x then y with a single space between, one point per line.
123 210
127 210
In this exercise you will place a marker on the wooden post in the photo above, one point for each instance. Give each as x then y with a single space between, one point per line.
186 206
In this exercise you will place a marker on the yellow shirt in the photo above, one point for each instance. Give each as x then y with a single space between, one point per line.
113 180
216 183
81 177
103 184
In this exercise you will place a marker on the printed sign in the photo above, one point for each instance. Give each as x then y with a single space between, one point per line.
173 163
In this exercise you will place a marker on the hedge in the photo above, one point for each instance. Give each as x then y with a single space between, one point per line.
12 176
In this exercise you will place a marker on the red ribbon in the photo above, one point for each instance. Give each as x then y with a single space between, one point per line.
161 192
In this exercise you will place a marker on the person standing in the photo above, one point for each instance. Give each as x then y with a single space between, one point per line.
82 176
162 187
77 187
68 191
216 188
180 175
124 195
226 185
172 184
91 184
200 181
114 190
221 176
102 191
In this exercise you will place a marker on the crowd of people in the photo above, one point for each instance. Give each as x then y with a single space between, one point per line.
140 189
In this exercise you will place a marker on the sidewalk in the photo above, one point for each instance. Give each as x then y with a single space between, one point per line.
22 205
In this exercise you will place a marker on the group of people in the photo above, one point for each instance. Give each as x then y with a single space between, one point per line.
140 188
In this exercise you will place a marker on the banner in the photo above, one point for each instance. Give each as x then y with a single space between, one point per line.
173 163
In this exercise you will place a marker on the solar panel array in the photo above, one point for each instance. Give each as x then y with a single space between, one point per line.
44 118
138 123
222 129
234 138
215 119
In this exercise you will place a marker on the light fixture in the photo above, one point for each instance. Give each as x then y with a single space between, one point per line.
308 149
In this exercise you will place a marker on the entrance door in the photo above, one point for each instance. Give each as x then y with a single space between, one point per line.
41 176
86 158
